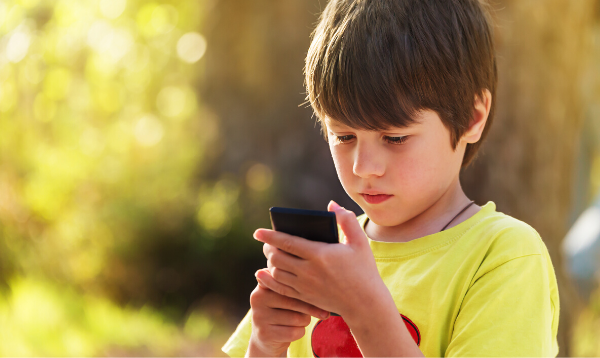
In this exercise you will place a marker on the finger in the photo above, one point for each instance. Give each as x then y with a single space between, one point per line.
281 259
290 303
278 301
347 221
265 279
284 277
287 334
285 317
291 244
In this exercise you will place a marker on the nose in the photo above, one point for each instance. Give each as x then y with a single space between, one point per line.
368 162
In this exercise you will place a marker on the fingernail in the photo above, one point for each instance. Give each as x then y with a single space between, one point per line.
334 205
324 315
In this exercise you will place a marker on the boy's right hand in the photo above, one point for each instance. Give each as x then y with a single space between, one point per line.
277 321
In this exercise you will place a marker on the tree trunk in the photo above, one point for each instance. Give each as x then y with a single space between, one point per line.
254 82
527 163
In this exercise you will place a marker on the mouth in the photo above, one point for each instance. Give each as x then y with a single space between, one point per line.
375 198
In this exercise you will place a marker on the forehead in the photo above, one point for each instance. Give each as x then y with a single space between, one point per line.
420 118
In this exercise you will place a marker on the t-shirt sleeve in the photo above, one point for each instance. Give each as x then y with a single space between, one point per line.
237 344
510 311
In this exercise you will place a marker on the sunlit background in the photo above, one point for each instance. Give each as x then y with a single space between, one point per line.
141 144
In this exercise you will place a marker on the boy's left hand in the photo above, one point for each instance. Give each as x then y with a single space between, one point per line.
334 277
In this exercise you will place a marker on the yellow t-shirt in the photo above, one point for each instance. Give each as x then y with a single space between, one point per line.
485 287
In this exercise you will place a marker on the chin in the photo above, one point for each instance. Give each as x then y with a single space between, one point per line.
380 217
384 221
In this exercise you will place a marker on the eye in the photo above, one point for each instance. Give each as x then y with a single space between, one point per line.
344 138
396 140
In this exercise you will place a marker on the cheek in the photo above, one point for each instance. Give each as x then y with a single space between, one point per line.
420 173
343 164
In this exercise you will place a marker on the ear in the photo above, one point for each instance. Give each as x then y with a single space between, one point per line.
481 112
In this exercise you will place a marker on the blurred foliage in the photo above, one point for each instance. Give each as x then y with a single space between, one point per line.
103 198
39 319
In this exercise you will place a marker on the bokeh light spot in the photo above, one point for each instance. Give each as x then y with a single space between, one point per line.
171 101
259 177
100 36
121 43
112 8
17 46
217 205
213 217
107 97
154 19
148 130
198 326
163 19
191 47
56 83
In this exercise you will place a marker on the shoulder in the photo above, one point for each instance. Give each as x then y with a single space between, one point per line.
504 238
506 234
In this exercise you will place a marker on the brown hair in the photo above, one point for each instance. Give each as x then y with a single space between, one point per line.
373 64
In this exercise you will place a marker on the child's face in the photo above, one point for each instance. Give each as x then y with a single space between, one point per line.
414 166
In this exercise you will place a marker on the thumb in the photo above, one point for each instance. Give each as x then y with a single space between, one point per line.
346 219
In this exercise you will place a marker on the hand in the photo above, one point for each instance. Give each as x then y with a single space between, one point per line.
277 321
336 277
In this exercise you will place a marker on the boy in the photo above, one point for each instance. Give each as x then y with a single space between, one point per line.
403 90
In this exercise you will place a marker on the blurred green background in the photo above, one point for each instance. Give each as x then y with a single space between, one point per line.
141 144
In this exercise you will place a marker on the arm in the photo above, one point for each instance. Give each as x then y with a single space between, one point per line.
379 329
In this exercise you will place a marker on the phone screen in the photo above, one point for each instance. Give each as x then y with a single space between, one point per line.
313 225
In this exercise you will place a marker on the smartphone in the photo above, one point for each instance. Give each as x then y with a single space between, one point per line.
313 225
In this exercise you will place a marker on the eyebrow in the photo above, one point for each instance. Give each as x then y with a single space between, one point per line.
334 125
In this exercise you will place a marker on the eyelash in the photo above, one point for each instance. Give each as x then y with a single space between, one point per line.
399 140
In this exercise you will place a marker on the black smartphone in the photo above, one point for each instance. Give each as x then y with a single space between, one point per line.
313 225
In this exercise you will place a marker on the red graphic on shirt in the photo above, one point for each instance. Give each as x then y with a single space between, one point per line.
332 337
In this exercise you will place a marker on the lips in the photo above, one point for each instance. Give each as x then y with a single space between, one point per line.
375 198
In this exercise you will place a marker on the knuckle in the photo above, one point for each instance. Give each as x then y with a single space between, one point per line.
261 333
297 333
276 273
287 291
319 255
318 312
281 290
293 304
257 296
287 245
275 291
282 334
303 320
287 302
275 258
258 316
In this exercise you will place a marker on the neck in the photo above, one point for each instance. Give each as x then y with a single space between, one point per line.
429 221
